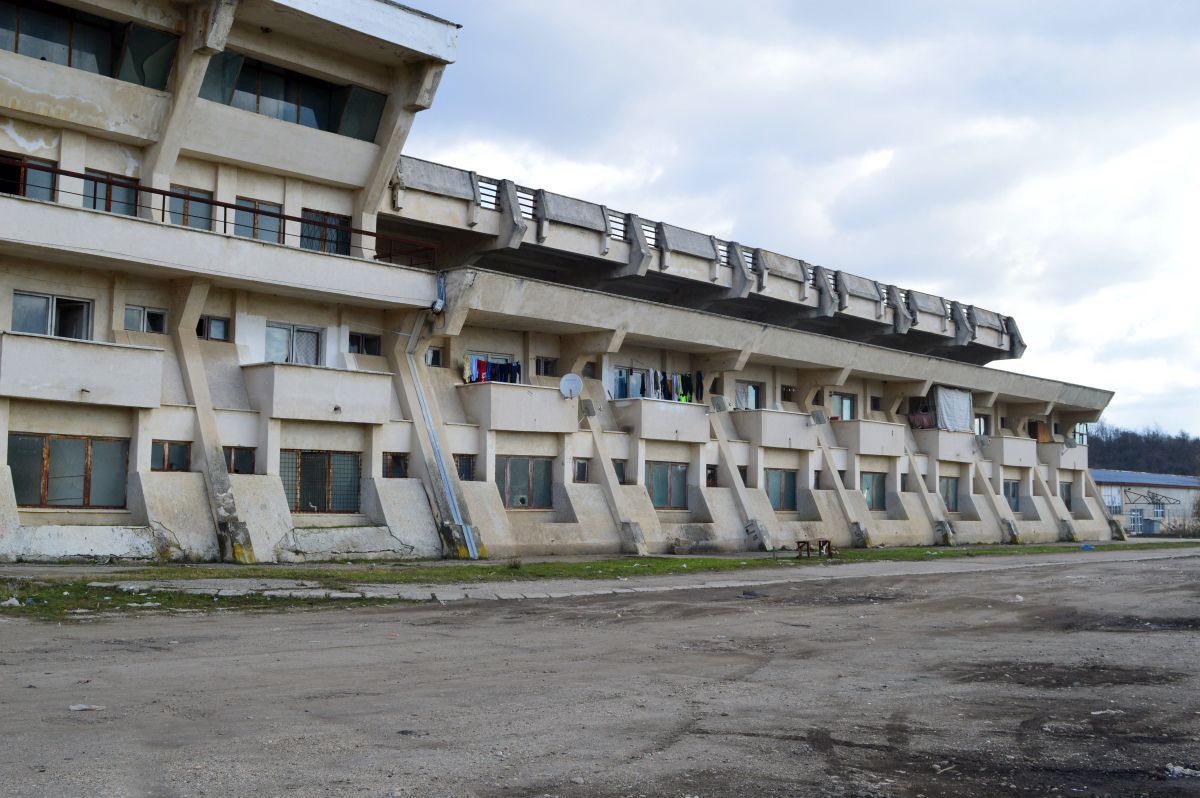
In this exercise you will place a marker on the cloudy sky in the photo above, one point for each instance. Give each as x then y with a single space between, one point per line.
1038 159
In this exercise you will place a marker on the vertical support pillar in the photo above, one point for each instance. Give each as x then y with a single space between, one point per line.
72 157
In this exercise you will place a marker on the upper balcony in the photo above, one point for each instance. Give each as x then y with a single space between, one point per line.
217 240
775 429
1059 455
510 407
663 419
1008 450
316 393
88 372
952 447
874 438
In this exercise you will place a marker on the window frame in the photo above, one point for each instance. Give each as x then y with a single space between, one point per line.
628 372
99 178
23 163
44 477
389 462
838 400
326 221
328 454
144 311
1013 499
230 453
504 471
435 353
52 316
673 502
1064 493
256 209
759 390
205 323
545 366
186 195
584 463
874 495
777 495
464 467
292 330
363 338
949 498
620 470
981 424
165 447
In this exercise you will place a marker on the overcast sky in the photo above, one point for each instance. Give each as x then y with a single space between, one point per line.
1037 159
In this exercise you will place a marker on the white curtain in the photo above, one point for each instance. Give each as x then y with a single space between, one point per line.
954 410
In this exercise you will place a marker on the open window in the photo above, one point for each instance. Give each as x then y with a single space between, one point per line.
44 314
143 319
214 328
843 406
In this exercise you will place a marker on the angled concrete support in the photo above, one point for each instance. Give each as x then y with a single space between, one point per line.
639 250
579 348
743 280
812 382
633 540
757 532
897 391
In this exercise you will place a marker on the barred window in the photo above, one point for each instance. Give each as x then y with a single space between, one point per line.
395 465
464 464
320 482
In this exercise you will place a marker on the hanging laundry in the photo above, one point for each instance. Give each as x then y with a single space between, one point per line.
699 386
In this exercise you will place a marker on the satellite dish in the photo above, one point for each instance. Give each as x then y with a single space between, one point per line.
570 386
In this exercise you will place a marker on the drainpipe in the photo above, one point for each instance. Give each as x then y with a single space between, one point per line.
438 456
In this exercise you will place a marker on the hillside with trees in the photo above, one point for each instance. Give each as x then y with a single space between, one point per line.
1146 450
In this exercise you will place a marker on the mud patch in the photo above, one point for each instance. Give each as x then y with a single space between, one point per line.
1084 621
826 599
1054 675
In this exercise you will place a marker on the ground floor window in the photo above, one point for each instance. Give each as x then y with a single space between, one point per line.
239 459
1112 498
874 489
1064 492
1012 494
366 344
583 467
948 490
667 484
170 456
619 469
68 470
395 465
524 482
1135 521
1160 510
781 488
464 464
320 482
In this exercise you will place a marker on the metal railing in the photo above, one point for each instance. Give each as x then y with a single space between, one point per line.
328 233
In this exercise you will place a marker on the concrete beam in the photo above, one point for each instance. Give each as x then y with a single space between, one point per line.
575 350
813 380
897 391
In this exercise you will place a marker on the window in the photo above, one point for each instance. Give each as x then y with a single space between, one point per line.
26 177
874 489
744 473
948 490
1064 493
50 32
112 193
1012 494
619 469
239 459
491 367
788 393
710 476
630 383
1159 510
435 356
1136 517
816 483
1080 433
1112 498
52 315
464 464
546 366
842 406
320 482
365 344
67 470
170 456
524 482
395 465
233 79
876 404
214 328
781 488
191 207
259 220
588 372
325 232
748 395
667 485
1003 422
140 319
287 343
582 467
982 425
1057 428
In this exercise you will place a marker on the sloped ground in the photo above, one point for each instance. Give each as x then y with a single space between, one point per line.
1075 679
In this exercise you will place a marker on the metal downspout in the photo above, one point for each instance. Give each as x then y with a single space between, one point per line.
438 456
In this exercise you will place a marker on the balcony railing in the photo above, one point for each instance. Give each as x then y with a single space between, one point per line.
327 233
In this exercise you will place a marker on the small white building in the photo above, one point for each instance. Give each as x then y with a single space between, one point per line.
1149 504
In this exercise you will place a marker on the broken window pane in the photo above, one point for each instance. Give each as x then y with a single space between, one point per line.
221 77
147 55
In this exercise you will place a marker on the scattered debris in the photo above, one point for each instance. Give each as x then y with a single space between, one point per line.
1109 712
11 601
85 707
1180 772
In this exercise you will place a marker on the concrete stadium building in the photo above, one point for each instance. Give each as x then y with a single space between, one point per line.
238 322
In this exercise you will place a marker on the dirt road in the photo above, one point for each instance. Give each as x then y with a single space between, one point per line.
1073 680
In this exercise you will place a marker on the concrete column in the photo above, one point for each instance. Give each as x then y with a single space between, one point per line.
637 461
374 466
141 443
485 459
269 437
4 410
364 244
293 205
72 157
226 191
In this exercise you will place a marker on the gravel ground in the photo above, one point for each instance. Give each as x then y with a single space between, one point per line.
1076 679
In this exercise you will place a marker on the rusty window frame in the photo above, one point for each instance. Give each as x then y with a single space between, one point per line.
464 465
229 452
258 209
187 195
165 464
395 465
293 485
87 470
